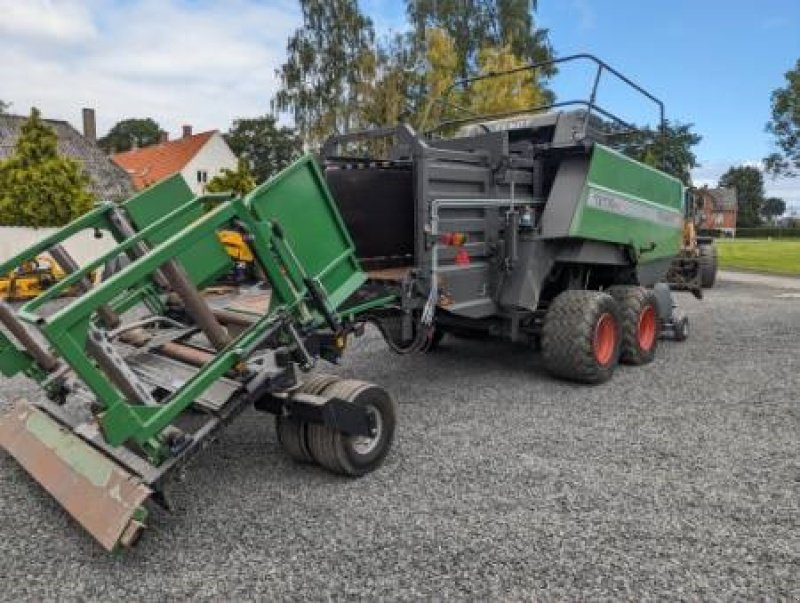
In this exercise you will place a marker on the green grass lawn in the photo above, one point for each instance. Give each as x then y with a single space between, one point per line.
777 256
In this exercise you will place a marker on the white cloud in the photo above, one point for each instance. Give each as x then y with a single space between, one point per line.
178 62
46 21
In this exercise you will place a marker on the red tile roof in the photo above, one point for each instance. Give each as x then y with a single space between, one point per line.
148 165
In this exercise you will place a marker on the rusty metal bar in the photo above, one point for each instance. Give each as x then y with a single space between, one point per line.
125 228
44 358
195 305
109 318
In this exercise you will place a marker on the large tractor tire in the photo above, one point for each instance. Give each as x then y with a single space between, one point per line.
348 454
708 265
582 336
640 323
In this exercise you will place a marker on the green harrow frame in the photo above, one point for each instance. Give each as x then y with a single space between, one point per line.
159 370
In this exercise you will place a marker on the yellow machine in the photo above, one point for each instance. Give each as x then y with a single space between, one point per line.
237 247
30 279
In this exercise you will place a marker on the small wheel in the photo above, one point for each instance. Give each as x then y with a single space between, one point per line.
640 323
349 454
293 435
293 439
581 336
682 329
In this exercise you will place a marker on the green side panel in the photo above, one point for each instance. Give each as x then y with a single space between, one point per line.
299 201
625 201
205 261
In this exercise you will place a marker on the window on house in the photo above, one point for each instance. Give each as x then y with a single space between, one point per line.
202 176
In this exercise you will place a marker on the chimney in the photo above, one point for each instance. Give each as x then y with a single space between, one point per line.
89 125
163 136
187 131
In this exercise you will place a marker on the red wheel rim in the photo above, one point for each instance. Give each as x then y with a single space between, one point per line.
605 339
646 329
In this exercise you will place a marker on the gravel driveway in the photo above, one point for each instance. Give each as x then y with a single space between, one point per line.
677 480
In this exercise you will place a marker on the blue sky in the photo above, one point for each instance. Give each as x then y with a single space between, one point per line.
713 62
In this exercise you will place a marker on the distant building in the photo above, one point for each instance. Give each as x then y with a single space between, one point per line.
198 157
108 181
718 209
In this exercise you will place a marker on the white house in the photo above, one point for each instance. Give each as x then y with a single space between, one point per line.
198 157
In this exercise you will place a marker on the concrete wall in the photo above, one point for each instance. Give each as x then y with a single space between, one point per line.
83 246
212 158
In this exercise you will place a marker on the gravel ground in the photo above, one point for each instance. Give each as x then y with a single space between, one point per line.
678 480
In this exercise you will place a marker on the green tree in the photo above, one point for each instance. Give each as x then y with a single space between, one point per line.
267 147
785 126
39 187
671 152
239 181
476 24
129 133
4 106
329 58
772 208
506 92
749 184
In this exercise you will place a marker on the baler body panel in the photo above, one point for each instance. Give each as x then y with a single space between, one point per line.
624 201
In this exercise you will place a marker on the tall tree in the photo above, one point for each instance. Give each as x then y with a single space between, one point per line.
749 184
4 106
673 152
39 187
266 147
506 92
785 126
328 59
129 133
773 208
475 24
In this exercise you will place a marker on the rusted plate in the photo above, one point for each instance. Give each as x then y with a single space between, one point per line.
104 498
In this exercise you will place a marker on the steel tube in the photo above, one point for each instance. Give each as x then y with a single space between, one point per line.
109 318
125 228
44 358
195 305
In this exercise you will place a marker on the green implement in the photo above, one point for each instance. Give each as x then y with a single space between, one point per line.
157 370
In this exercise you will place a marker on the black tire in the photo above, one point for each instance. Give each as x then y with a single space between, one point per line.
293 435
355 455
682 329
640 323
570 336
708 265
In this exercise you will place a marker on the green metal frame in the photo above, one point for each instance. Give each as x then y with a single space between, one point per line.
289 255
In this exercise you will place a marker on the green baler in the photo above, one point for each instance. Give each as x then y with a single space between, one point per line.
156 370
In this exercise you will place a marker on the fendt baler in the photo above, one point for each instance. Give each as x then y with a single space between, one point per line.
526 225
141 372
